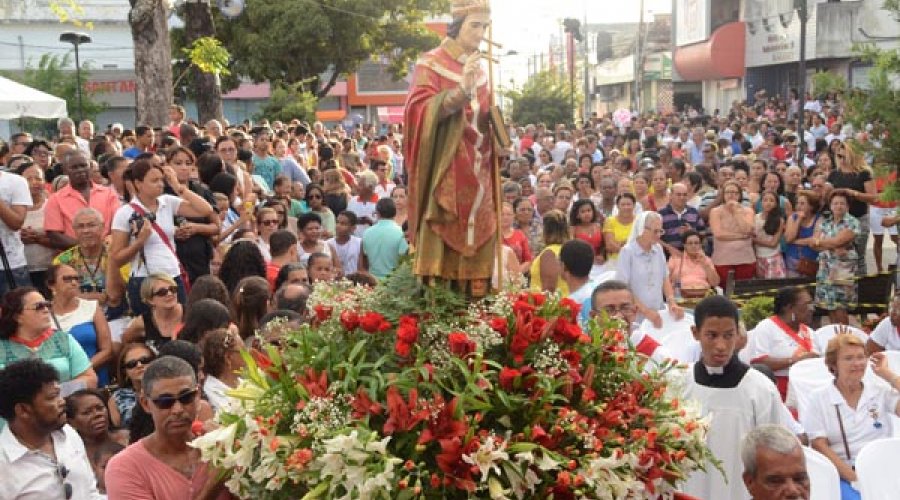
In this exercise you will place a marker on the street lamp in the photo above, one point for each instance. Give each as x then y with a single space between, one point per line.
500 76
76 39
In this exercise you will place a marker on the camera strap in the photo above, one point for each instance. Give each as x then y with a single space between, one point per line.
162 235
10 279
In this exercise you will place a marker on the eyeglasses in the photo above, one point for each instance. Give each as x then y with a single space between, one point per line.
659 232
162 292
70 279
63 472
271 222
145 360
167 402
40 153
39 306
612 309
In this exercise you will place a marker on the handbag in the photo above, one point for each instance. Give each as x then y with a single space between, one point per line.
162 235
807 267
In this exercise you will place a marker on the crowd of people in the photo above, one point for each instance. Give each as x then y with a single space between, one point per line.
138 263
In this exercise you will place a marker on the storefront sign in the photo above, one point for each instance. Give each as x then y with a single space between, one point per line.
110 86
691 21
773 32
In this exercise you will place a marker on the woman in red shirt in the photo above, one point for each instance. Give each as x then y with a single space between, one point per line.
585 221
515 238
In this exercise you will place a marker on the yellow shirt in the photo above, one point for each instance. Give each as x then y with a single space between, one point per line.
619 231
536 285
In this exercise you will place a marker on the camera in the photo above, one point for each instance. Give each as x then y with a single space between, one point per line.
138 220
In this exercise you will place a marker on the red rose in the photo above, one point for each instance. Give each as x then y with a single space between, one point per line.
508 377
402 348
322 312
572 357
407 332
500 325
573 307
372 322
350 320
461 344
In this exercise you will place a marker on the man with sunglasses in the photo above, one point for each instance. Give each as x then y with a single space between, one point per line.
162 466
41 457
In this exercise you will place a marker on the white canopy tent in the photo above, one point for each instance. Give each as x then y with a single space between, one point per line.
17 101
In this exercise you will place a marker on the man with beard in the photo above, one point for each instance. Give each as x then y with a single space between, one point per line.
61 207
41 457
162 466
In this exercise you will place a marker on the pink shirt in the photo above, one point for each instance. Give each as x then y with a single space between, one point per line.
62 206
135 474
691 274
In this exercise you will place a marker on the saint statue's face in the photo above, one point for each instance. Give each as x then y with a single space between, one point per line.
473 31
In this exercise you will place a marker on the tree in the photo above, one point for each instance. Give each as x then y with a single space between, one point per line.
198 21
543 98
207 60
287 102
54 76
291 41
152 60
879 106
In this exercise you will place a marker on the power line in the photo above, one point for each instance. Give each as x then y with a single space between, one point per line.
84 47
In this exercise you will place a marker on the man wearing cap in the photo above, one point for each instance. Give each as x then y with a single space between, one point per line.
449 150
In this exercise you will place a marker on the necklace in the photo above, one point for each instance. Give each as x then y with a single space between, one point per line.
93 272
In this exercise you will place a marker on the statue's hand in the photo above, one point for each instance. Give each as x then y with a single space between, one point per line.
470 72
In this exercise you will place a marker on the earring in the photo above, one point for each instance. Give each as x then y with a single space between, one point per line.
793 317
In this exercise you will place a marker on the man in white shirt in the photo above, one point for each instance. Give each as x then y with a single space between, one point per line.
15 200
66 128
363 205
558 153
577 259
886 336
41 457
385 186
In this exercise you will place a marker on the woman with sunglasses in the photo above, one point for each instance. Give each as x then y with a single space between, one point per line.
161 322
266 224
222 361
315 200
133 360
82 318
26 331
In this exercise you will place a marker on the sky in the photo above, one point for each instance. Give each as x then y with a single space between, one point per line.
526 25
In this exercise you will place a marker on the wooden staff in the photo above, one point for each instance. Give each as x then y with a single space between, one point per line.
497 191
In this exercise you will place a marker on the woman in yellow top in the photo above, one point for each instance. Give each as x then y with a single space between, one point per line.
616 228
546 269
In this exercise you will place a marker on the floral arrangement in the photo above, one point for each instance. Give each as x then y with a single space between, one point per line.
407 392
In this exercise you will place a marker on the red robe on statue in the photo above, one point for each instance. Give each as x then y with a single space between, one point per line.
450 164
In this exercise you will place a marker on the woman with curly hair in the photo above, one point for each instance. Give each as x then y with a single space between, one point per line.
250 302
242 259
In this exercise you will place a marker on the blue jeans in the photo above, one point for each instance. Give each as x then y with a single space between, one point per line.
133 291
20 276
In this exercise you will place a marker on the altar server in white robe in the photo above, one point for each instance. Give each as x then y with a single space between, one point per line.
736 397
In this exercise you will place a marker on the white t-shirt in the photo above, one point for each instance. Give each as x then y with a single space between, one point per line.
13 192
870 420
348 253
362 209
886 335
768 340
160 258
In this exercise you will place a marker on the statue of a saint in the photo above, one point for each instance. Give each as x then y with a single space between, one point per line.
449 153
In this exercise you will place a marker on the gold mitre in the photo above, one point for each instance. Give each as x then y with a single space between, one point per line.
462 8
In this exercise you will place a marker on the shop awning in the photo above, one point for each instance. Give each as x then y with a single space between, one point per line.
720 57
334 115
390 114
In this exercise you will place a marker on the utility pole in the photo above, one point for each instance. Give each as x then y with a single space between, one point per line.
639 64
803 16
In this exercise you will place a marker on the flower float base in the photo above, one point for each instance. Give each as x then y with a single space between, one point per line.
406 392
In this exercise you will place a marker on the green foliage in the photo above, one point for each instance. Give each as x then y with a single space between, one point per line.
54 76
826 82
291 41
209 55
755 310
879 106
545 97
287 102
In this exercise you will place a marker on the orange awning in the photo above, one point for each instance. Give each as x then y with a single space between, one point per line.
335 115
720 57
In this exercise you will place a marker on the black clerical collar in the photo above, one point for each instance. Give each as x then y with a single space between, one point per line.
732 374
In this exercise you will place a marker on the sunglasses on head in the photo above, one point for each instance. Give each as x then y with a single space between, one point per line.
185 398
162 292
145 360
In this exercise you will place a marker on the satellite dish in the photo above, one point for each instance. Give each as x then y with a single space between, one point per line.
231 8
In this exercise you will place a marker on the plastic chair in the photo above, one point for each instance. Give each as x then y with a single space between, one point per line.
827 332
824 480
804 377
876 469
